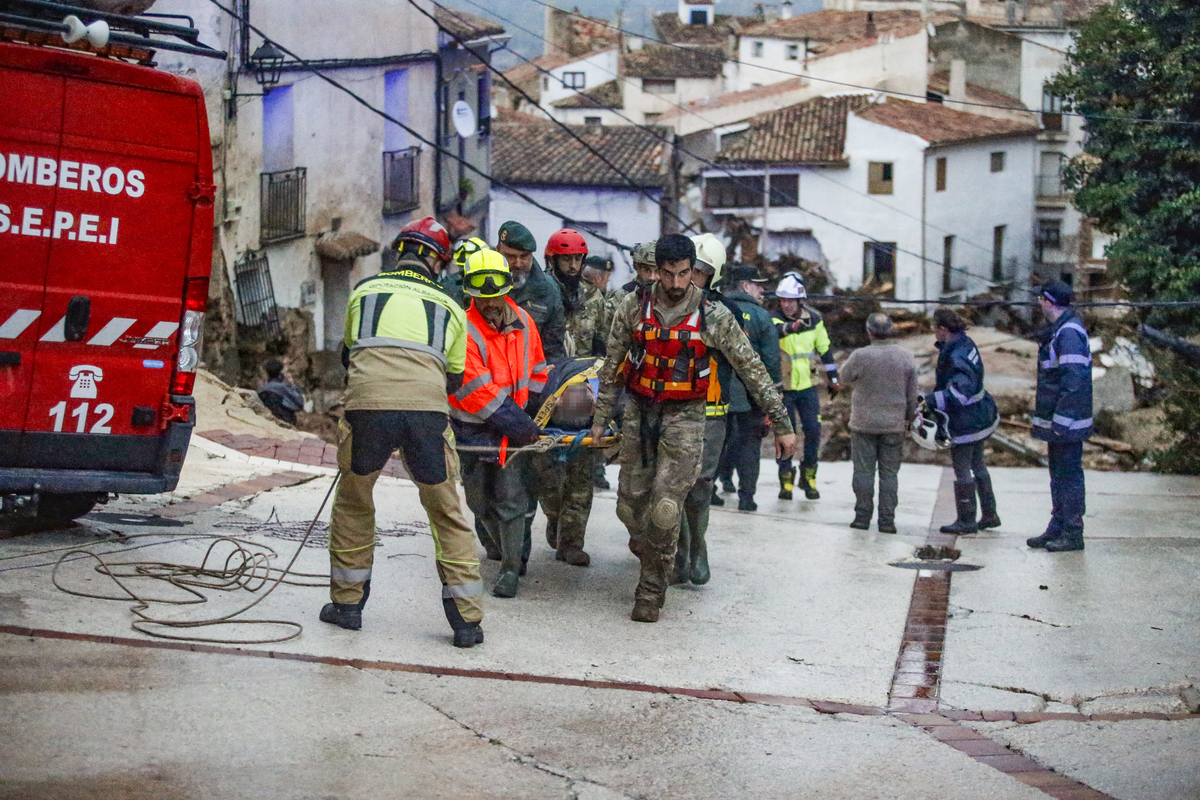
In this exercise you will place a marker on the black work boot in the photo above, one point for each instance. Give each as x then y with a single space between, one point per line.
1038 542
964 501
861 523
645 610
787 481
344 615
552 533
988 518
808 478
716 500
1065 542
466 634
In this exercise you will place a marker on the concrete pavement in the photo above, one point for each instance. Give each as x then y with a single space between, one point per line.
802 612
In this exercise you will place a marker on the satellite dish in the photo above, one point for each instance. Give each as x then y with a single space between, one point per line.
464 119
129 8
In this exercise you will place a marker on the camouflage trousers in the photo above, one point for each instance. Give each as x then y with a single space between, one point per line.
661 448
565 489
691 558
352 533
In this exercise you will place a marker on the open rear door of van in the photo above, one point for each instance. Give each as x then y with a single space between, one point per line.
120 237
31 108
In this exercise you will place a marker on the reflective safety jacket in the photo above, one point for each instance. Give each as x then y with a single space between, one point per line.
404 335
1063 408
802 348
668 363
503 368
959 391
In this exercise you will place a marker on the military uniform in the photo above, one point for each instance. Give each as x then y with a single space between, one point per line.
404 336
565 487
662 438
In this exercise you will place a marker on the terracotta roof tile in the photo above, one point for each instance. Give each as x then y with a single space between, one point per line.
937 124
670 29
467 27
669 61
832 27
733 98
606 95
812 132
345 246
528 151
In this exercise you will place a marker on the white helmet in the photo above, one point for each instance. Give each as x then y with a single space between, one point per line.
930 431
710 251
791 286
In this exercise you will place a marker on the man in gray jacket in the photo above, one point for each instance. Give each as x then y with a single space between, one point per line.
884 379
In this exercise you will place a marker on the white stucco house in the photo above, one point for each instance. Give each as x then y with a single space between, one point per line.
312 185
539 159
916 199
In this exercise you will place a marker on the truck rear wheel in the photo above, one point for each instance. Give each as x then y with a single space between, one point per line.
65 507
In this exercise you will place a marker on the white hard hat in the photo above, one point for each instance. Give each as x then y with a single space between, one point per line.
791 285
931 434
710 251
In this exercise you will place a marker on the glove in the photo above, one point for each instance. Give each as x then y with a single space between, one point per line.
834 388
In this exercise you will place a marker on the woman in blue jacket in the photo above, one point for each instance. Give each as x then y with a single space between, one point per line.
972 417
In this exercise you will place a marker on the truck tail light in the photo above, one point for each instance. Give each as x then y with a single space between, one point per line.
190 330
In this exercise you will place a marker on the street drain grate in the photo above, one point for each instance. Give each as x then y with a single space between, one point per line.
940 566
295 531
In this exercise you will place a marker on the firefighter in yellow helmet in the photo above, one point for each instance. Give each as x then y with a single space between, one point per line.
504 367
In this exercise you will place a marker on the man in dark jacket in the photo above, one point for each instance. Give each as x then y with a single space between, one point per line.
279 395
747 422
1062 414
972 416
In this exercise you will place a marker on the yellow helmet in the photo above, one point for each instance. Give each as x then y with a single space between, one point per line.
465 249
487 275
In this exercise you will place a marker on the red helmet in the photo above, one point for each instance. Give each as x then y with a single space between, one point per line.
566 242
429 232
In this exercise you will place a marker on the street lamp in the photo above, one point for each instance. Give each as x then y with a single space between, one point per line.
266 64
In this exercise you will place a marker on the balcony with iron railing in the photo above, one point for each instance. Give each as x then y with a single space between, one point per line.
1051 185
401 185
282 215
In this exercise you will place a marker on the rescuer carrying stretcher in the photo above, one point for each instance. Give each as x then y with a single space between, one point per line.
405 345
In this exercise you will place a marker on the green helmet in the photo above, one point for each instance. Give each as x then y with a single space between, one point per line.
644 254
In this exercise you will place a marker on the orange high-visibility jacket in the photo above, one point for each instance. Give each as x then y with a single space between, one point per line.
499 365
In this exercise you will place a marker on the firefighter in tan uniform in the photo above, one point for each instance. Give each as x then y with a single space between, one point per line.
405 347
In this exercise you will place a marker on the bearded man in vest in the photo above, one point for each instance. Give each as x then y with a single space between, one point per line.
405 344
504 368
659 351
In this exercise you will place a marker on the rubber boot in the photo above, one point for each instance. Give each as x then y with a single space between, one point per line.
512 534
466 634
987 504
787 481
552 532
700 573
964 501
809 480
1065 542
682 572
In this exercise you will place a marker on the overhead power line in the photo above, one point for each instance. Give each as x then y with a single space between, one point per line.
890 92
682 149
416 135
623 175
742 180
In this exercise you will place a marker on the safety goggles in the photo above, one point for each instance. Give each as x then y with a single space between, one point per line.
489 284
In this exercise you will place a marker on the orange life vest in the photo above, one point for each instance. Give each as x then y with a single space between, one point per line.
668 363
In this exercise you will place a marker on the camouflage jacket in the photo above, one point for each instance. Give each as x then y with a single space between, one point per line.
584 309
721 332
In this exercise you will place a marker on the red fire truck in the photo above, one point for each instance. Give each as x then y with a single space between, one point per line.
106 218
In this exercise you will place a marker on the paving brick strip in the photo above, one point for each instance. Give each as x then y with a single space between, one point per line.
232 491
311 451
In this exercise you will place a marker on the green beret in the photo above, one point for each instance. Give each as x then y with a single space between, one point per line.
644 253
517 236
